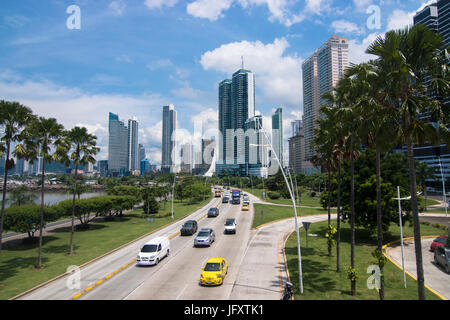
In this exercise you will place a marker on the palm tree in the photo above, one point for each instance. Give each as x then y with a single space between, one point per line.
351 119
80 147
407 57
13 119
377 131
41 139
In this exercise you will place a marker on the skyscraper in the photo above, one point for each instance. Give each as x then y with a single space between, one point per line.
133 162
277 135
168 138
236 106
117 145
436 17
321 73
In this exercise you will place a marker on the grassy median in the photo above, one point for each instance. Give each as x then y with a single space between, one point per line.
322 282
18 261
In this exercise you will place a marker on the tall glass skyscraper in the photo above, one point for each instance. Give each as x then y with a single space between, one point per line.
236 106
168 138
277 135
436 17
117 145
133 146
321 73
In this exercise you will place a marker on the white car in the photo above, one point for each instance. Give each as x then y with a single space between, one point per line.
153 251
230 226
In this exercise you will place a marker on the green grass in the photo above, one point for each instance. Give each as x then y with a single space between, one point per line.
322 282
305 199
271 213
18 261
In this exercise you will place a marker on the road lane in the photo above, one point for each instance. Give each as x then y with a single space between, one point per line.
99 269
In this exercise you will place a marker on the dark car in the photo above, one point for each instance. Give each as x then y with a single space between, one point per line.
225 200
189 228
442 257
213 212
438 242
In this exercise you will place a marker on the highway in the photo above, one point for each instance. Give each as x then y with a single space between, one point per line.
255 257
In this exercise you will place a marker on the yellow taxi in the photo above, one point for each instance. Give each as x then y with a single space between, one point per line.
245 206
214 272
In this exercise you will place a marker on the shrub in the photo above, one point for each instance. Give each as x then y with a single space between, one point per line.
273 195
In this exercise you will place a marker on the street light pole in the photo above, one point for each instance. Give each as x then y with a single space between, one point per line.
300 274
401 232
443 187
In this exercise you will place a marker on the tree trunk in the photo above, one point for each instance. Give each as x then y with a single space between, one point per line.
73 209
338 234
415 213
329 208
352 213
41 225
379 220
5 178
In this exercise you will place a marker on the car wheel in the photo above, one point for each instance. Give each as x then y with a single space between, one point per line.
447 268
157 261
167 254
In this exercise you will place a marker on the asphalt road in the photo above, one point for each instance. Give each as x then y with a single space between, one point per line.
435 276
256 264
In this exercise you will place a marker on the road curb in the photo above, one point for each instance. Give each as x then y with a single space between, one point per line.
400 267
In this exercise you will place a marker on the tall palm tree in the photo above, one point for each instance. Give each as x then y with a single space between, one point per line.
377 131
41 139
351 119
13 119
407 57
80 147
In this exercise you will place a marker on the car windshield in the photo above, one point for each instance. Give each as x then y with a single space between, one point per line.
212 266
229 222
188 224
149 248
447 253
212 210
203 234
441 240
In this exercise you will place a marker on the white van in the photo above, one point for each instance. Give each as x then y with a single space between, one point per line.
153 251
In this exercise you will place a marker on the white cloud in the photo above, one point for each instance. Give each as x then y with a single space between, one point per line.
117 7
400 19
73 106
277 74
357 49
158 4
362 5
343 26
208 9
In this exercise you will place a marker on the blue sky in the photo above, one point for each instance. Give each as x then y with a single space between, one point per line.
132 57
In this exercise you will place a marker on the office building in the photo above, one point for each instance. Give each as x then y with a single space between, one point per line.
186 157
117 146
277 136
436 17
168 138
236 106
133 146
321 73
255 147
296 127
141 152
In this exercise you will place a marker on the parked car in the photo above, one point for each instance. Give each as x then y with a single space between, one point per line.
214 272
230 226
213 212
205 237
225 199
438 242
442 257
189 228
153 251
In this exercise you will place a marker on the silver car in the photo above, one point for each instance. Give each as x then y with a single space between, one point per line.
205 237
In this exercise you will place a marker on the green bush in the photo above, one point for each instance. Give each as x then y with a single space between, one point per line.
273 195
